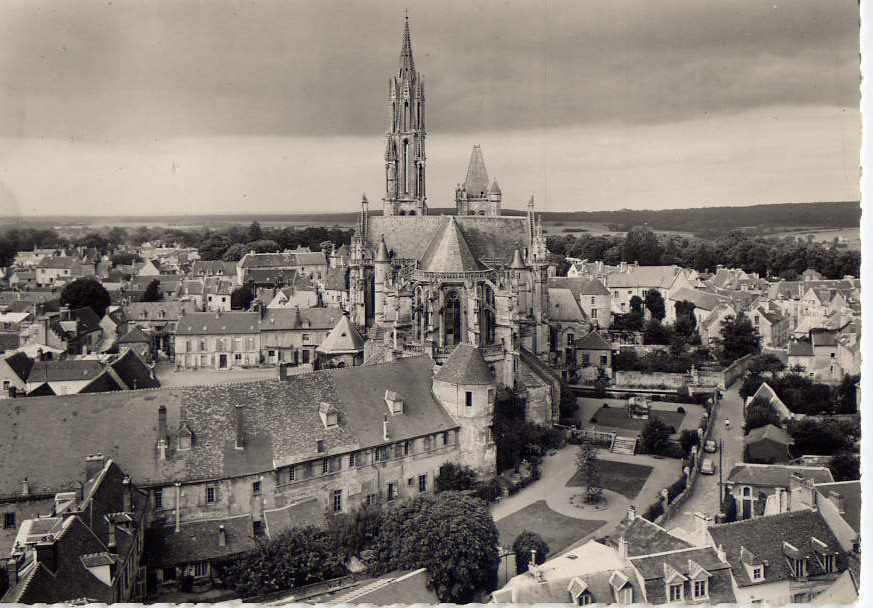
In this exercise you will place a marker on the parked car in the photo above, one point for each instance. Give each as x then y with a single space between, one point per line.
707 467
710 446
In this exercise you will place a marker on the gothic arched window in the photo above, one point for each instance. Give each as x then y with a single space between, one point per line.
452 318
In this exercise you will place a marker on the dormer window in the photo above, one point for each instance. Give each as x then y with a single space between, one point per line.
700 589
319 445
757 573
186 438
579 592
676 592
394 401
329 415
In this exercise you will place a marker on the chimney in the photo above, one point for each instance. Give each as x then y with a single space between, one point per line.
838 500
93 465
222 536
178 485
238 427
25 487
12 571
65 313
631 513
127 494
720 552
622 267
622 547
111 544
533 560
385 428
163 439
46 552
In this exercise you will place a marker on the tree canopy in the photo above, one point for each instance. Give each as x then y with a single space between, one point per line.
760 413
241 298
738 338
152 292
456 477
525 543
655 304
641 245
86 291
655 437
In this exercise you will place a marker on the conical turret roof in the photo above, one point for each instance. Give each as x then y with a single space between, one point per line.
495 188
448 251
465 366
343 338
517 264
476 182
382 252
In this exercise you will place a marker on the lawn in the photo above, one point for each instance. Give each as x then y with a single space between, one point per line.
622 477
616 417
559 531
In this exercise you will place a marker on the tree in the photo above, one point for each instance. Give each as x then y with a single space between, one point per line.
124 259
641 245
655 333
588 466
655 304
738 338
845 466
678 346
766 363
152 292
761 413
297 557
241 298
632 321
451 534
825 437
685 315
86 291
523 545
655 437
254 232
263 246
847 395
636 305
569 404
750 386
213 247
355 532
688 438
235 252
455 477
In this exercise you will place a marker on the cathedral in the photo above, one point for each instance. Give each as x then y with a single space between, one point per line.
476 277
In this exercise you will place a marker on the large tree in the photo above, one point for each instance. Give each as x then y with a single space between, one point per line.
845 466
254 232
454 476
655 333
655 304
241 298
451 534
641 245
655 437
738 338
86 291
152 292
526 543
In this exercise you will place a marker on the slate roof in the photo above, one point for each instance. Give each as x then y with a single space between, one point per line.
20 364
151 311
214 267
286 259
476 181
465 366
448 251
58 262
64 370
86 318
592 341
775 475
281 424
217 286
134 336
133 371
660 277
763 536
580 286
703 300
768 432
198 541
653 569
213 323
271 276
297 514
489 238
645 538
800 348
343 338
9 340
564 307
851 493
280 319
335 279
823 338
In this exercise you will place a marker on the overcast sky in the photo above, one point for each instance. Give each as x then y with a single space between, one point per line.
224 106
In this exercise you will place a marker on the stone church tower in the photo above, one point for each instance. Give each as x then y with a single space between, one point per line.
405 157
475 196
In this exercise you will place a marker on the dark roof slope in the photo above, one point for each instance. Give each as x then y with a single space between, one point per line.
20 363
465 366
580 286
593 341
775 475
653 569
213 323
133 371
198 541
297 514
851 493
134 336
448 251
65 370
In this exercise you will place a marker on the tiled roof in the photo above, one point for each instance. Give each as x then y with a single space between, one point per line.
800 348
151 311
343 338
580 286
134 336
271 276
592 341
660 277
851 493
198 541
476 181
489 238
281 423
764 537
204 267
298 514
58 262
9 340
564 307
768 432
288 260
654 568
703 300
775 475
65 370
133 371
448 251
217 286
645 538
823 338
335 279
280 319
465 366
213 323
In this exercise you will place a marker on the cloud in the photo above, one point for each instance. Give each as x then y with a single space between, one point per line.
125 69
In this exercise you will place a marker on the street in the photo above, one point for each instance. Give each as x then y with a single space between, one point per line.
706 496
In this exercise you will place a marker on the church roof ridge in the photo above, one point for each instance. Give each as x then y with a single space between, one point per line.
449 251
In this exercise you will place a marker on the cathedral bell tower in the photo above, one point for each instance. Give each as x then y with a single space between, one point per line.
405 157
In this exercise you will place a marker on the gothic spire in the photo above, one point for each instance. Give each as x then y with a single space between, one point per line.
407 64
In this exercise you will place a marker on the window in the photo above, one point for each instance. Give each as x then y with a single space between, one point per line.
593 312
305 338
626 595
169 574
258 528
392 490
407 447
237 357
306 356
372 499
828 563
571 340
319 445
308 470
236 344
756 573
468 397
382 454
676 593
201 569
202 345
336 463
9 520
292 473
422 483
256 488
159 498
398 450
210 495
603 360
337 501
586 360
798 567
445 438
325 466
427 443
410 482
700 589
592 300
353 460
615 294
584 599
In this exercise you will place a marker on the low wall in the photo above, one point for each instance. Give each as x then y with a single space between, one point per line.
669 380
665 380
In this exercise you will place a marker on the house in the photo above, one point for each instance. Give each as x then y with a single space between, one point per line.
336 290
692 575
705 302
192 290
311 265
274 278
781 559
87 547
766 393
763 489
567 322
14 370
22 278
768 444
594 356
57 270
168 284
76 331
136 340
151 268
592 295
124 371
343 346
29 259
801 354
300 292
160 319
773 326
218 340
292 335
710 328
635 280
9 341
209 268
217 294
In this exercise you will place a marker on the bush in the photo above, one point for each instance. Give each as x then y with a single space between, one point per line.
655 510
522 546
453 476
489 491
845 466
355 532
677 488
820 437
680 410
655 437
688 439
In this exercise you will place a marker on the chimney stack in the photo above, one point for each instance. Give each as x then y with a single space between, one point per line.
127 494
93 465
838 500
222 536
631 513
238 427
533 560
25 487
622 547
720 552
111 544
46 552
178 485
385 428
163 439
12 571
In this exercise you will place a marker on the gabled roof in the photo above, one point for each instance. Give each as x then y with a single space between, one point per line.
564 307
296 514
20 364
851 493
279 319
660 277
703 300
580 286
769 432
678 566
800 348
764 537
343 338
476 182
645 538
448 251
133 371
592 341
58 262
134 336
198 541
9 340
151 311
465 366
65 370
213 323
775 475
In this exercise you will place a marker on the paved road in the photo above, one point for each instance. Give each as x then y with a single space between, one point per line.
705 498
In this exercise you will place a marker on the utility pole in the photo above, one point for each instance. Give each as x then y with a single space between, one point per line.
720 469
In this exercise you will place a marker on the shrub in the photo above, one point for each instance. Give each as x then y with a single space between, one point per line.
522 546
453 476
593 419
845 466
655 510
688 439
680 410
655 437
677 488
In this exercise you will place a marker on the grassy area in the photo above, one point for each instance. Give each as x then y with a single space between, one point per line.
616 417
622 477
559 531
